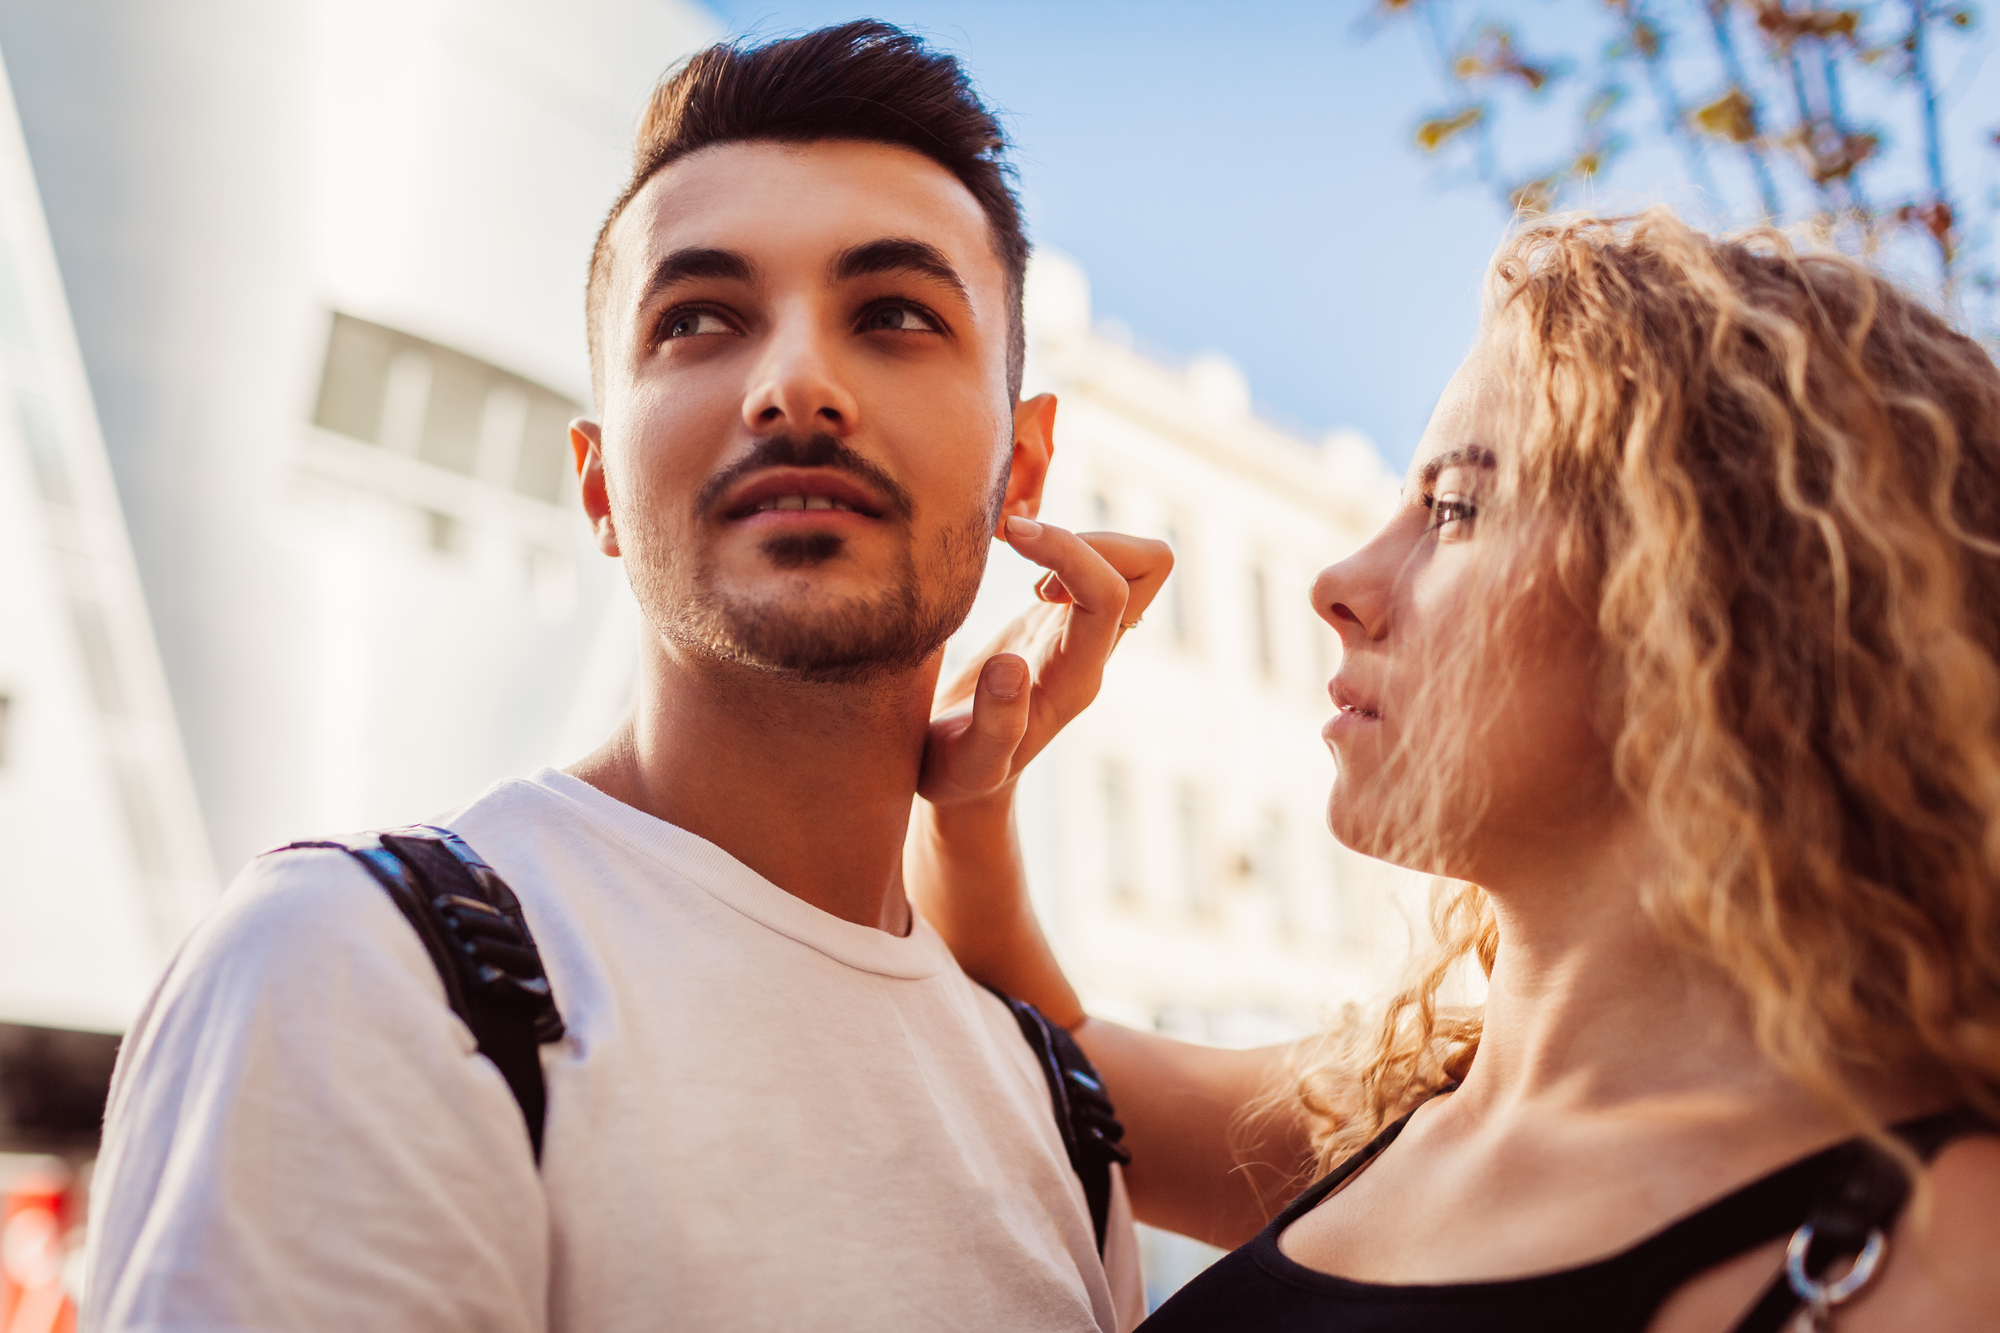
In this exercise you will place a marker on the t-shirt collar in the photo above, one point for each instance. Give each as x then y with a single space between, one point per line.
699 862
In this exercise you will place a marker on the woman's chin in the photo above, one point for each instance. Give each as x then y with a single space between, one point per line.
1355 820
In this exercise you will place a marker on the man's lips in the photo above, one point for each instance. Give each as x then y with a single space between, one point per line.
817 492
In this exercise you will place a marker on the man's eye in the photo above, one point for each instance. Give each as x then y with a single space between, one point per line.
897 318
692 323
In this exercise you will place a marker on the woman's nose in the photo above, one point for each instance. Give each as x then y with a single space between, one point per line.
1353 595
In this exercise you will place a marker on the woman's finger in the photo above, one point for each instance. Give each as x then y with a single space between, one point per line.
1027 635
1143 563
1101 599
1097 594
971 752
984 730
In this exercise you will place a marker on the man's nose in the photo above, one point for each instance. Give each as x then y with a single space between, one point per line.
797 387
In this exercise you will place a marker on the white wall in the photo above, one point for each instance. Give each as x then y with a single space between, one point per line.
220 175
102 862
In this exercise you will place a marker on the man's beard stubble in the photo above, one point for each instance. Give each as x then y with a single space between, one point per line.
859 640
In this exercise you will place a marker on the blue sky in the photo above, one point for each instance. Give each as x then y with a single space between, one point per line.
1240 178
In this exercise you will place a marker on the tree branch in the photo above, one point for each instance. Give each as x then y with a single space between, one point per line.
1725 47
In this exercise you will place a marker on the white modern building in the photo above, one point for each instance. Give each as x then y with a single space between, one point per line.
324 263
103 861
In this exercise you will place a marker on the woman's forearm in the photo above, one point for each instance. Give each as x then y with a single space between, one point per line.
986 917
1214 1153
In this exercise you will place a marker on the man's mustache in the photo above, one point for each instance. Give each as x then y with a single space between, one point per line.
819 450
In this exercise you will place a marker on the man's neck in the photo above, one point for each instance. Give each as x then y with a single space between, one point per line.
808 784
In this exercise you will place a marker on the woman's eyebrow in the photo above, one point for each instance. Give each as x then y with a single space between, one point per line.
1471 455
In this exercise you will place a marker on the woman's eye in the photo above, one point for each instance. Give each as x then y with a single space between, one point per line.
897 319
693 323
1452 514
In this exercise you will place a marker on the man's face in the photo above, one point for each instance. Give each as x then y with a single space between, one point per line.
806 430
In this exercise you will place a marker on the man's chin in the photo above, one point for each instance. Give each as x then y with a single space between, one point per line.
836 641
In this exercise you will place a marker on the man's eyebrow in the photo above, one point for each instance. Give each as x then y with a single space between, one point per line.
692 262
895 255
1471 455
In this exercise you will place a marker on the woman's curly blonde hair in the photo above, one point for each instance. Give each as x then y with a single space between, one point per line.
1774 481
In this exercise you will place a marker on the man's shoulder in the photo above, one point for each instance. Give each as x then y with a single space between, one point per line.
313 893
288 916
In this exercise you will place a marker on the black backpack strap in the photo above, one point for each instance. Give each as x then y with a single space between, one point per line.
472 926
1090 1130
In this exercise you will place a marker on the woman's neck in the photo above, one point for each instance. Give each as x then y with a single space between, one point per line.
1590 1010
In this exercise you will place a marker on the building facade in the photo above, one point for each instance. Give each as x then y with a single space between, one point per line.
324 263
1176 832
105 862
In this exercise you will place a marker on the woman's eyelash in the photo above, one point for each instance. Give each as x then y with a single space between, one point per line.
1449 509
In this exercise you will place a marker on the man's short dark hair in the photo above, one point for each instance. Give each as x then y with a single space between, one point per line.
865 81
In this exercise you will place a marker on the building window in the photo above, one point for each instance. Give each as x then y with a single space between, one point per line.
1347 922
1120 871
1326 655
1175 595
45 451
1271 865
100 658
142 818
1197 890
442 531
1260 622
415 398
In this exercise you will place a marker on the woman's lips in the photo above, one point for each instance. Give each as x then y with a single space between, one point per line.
1353 712
1350 700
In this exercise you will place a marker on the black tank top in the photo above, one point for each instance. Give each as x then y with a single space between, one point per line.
1844 1191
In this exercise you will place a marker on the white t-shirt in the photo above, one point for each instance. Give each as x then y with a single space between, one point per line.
762 1116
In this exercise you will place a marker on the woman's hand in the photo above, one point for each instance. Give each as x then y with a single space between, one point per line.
962 864
1045 667
1202 1164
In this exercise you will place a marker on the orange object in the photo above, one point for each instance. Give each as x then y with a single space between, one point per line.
35 1203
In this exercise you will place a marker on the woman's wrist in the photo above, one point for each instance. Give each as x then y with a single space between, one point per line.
964 874
964 869
976 821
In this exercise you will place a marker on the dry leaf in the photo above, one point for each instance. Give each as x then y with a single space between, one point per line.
1731 116
1432 134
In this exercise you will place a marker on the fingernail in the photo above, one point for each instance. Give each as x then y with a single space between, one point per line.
1024 528
1005 677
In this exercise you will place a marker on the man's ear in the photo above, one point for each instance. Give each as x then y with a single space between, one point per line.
586 445
1034 446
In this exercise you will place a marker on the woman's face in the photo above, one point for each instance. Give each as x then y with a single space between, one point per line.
1412 603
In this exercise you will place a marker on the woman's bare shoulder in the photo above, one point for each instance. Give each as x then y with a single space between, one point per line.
1940 1274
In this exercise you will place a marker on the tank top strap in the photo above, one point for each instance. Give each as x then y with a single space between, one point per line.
1314 1194
1763 1210
1869 1198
